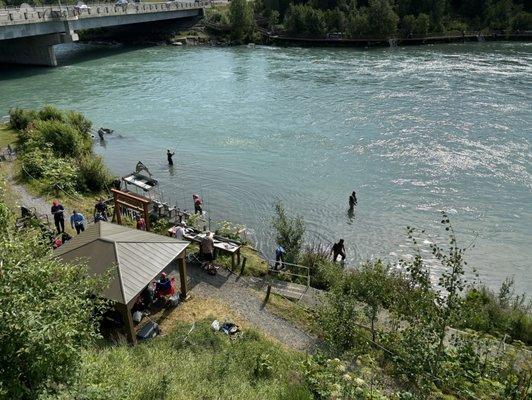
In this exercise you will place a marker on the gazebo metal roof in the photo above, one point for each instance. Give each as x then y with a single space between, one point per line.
135 256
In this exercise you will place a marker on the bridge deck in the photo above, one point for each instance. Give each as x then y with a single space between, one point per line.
32 15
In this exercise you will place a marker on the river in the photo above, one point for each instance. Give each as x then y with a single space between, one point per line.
412 130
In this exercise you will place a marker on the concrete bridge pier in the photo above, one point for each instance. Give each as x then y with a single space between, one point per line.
34 50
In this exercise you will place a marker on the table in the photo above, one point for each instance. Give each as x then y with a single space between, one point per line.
219 245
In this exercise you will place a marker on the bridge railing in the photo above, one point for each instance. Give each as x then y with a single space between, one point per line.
18 15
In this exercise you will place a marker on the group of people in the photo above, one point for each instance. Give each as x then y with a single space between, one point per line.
77 219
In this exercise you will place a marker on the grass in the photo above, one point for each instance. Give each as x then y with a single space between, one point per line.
304 317
201 364
7 136
255 264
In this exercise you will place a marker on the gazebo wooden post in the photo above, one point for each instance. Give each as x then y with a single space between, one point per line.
125 310
183 277
116 211
146 216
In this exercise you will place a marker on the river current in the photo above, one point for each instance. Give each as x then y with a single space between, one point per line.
412 130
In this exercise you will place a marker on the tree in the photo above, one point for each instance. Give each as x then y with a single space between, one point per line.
241 18
290 232
382 18
48 313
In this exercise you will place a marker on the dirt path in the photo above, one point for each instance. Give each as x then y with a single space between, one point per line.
243 296
22 196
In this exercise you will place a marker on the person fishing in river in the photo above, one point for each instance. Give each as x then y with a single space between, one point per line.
169 156
353 200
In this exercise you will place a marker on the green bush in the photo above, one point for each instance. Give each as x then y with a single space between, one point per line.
94 176
324 273
65 139
49 314
35 161
497 313
19 118
80 122
51 113
289 232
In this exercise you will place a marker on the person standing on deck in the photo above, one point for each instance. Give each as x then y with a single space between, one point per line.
169 156
338 249
58 211
77 221
100 211
180 231
207 250
198 202
141 223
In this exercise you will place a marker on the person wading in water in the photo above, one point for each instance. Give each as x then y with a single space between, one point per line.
353 200
169 155
338 249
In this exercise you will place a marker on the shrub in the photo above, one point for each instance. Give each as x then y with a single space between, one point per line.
60 173
51 113
335 20
65 139
80 122
94 176
290 232
49 314
241 18
19 118
34 162
324 273
421 27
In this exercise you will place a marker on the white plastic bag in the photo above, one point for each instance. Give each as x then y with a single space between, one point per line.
215 325
137 317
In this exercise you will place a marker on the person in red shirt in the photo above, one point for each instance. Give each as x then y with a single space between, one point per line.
198 202
141 224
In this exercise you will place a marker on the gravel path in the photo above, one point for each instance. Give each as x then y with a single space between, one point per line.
23 197
243 296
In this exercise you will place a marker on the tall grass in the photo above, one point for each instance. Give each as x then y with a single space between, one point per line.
201 365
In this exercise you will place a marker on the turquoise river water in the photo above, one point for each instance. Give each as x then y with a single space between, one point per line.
412 130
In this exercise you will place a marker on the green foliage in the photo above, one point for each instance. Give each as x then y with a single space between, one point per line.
48 314
417 26
228 230
382 19
241 19
56 148
336 20
80 122
357 24
290 232
94 176
324 273
51 113
497 313
409 319
66 140
191 364
19 118
273 19
304 19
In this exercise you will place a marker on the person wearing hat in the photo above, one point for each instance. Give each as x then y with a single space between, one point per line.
207 249
58 211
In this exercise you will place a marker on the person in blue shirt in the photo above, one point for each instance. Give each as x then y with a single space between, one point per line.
279 256
77 221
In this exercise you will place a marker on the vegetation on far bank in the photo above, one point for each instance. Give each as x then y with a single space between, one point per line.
371 18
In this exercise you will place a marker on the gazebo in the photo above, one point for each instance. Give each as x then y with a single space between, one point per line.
135 257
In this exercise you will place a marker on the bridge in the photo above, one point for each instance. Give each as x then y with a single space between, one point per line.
28 34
